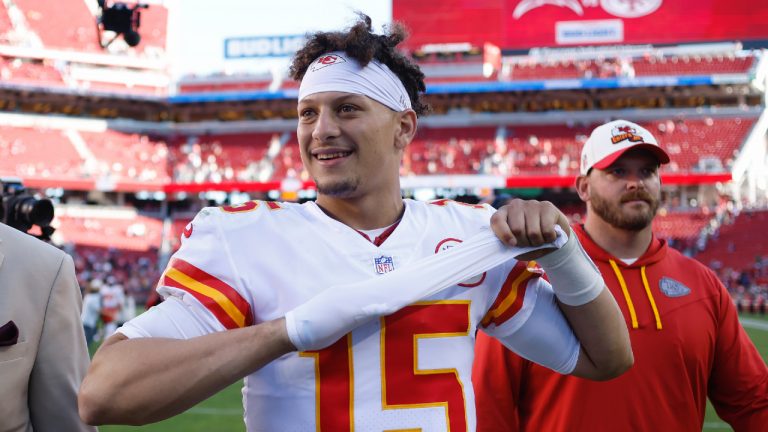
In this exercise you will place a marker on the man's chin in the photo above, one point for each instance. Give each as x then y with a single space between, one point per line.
341 189
636 223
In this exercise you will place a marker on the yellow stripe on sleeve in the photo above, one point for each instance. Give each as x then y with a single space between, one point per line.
207 291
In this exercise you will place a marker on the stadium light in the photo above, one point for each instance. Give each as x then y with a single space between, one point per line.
121 19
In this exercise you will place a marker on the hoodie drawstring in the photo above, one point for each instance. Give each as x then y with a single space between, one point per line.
628 298
650 298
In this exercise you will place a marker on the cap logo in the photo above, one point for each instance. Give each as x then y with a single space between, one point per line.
327 60
625 132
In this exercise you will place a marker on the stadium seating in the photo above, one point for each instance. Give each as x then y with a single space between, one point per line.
288 162
692 65
448 150
228 85
29 72
96 86
153 30
124 156
695 145
61 24
135 233
649 65
681 229
38 153
219 158
5 22
739 244
70 25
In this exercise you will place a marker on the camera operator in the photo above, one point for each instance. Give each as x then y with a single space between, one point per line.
43 356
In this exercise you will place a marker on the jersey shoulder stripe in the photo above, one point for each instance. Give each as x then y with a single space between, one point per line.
510 298
223 301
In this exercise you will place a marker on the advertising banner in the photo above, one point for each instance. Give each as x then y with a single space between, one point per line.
522 24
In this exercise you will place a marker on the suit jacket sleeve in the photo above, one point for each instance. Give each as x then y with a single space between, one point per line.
738 386
62 358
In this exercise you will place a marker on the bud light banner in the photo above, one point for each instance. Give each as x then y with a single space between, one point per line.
522 24
262 46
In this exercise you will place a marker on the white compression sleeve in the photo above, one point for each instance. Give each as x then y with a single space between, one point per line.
574 277
545 337
172 319
334 312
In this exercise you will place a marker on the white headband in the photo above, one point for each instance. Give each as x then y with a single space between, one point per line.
336 71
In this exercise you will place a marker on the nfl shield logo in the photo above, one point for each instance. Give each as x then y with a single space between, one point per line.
383 264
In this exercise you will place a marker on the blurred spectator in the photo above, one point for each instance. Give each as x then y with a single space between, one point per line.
91 310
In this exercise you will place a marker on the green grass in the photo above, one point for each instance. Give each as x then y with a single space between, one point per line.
760 338
223 412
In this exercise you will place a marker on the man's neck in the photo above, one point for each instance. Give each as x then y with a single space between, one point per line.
618 242
364 213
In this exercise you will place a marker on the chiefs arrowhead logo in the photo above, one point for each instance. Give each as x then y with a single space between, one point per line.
327 60
188 230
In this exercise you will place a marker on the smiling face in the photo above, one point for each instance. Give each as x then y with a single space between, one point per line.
350 144
627 193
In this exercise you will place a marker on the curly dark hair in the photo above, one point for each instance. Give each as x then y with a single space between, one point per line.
360 43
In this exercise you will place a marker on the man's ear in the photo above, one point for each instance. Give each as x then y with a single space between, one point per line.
406 128
582 187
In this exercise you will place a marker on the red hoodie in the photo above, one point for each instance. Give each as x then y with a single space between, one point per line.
687 343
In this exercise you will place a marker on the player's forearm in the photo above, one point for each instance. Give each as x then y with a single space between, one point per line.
591 311
144 380
605 347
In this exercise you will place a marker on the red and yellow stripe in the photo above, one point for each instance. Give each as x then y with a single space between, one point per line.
224 302
510 298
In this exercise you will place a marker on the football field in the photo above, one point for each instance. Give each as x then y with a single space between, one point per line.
223 412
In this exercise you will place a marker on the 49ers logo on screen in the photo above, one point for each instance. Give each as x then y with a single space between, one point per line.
448 243
619 8
327 60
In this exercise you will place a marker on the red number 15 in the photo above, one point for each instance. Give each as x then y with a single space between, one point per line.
403 385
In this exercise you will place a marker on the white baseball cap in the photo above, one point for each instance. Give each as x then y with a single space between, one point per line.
611 140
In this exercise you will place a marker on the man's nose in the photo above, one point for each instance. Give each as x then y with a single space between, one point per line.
326 127
635 181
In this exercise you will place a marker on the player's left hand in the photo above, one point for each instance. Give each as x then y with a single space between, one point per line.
528 223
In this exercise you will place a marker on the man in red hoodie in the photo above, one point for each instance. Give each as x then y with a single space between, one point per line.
685 334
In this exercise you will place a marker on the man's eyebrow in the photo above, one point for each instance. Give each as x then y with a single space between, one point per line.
339 99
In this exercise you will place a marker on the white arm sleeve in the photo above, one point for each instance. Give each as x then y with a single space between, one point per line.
172 319
545 337
334 312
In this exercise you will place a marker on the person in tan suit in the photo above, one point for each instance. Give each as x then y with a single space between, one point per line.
43 356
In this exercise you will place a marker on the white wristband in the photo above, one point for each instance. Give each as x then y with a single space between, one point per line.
574 277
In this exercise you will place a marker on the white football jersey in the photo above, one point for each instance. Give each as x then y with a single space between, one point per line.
411 370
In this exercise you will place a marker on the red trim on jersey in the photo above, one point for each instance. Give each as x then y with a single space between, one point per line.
510 298
210 303
381 238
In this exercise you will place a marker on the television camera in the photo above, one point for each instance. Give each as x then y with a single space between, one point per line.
21 210
121 18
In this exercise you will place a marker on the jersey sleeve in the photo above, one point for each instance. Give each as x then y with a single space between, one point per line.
171 319
526 319
200 275
738 385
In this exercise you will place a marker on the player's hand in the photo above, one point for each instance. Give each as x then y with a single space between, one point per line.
528 223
